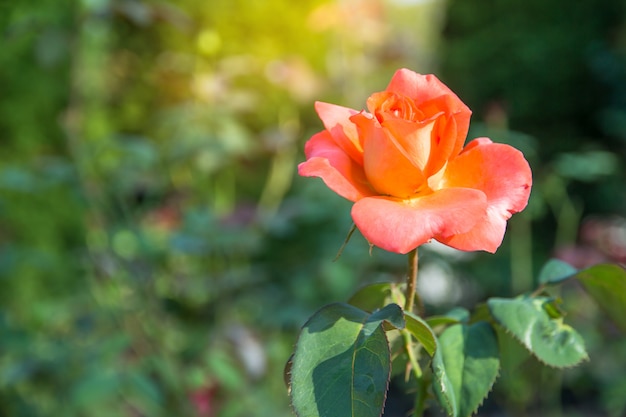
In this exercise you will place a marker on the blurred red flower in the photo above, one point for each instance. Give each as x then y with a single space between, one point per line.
204 401
405 167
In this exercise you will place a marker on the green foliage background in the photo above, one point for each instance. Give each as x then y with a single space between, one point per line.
158 253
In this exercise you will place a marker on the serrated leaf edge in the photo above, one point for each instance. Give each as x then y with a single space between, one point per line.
488 392
382 410
486 395
518 340
492 382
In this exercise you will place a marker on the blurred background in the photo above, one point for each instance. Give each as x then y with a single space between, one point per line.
158 253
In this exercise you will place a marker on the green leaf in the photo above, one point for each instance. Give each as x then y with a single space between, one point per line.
434 321
372 297
454 316
459 313
391 313
421 331
555 271
342 363
442 385
549 339
465 366
606 284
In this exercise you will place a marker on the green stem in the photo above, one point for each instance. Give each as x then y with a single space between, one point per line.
411 285
410 298
420 403
414 365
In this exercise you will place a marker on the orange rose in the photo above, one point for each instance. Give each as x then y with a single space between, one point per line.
404 166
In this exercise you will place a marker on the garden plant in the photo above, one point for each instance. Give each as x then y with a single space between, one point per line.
160 254
405 165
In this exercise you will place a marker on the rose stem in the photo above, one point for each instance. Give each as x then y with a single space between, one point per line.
411 285
410 296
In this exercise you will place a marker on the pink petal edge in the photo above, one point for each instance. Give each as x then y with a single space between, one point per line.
401 226
325 159
504 175
336 120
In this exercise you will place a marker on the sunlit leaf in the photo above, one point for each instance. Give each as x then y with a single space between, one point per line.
549 339
465 367
435 321
372 297
342 363
421 331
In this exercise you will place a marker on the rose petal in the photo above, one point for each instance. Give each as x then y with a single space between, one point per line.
419 87
336 120
387 105
325 159
429 143
388 167
400 225
423 88
487 235
431 97
503 174
446 144
476 142
499 170
414 138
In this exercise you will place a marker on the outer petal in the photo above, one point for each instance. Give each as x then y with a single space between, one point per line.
336 120
419 87
431 95
503 174
325 159
400 226
388 167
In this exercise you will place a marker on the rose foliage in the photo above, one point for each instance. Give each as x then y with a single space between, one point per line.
404 166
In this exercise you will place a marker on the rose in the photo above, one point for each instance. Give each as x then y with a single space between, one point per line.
404 166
